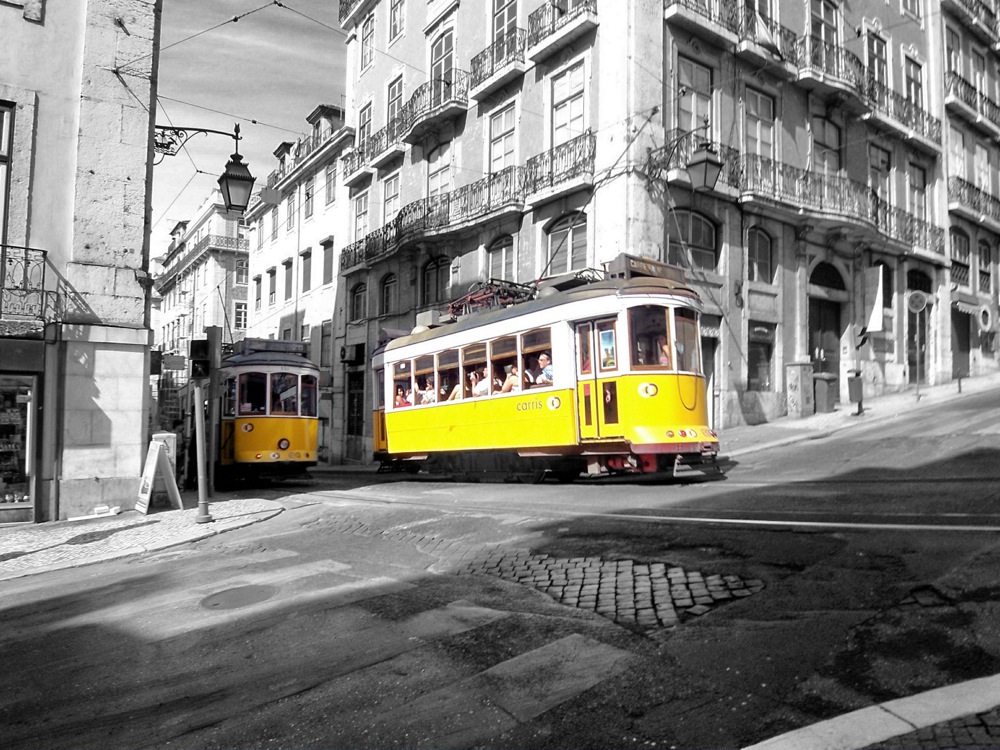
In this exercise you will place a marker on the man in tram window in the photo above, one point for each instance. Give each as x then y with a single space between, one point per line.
544 376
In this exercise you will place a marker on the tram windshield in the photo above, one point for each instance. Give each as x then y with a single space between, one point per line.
658 345
284 393
253 393
309 393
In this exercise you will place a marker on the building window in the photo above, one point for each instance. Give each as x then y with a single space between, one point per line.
694 104
359 301
289 279
257 286
6 130
953 50
396 18
308 189
879 179
912 7
274 223
502 139
567 245
439 170
500 258
878 60
306 270
361 216
328 261
364 125
567 105
388 297
886 284
759 124
435 277
331 183
917 187
984 174
394 100
826 146
442 67
504 18
367 41
242 272
960 257
290 208
240 316
824 28
985 266
691 241
914 82
760 356
390 198
759 267
260 232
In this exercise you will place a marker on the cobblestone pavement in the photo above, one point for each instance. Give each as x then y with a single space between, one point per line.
32 549
980 731
643 596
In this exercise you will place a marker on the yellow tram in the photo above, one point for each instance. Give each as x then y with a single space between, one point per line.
605 377
269 410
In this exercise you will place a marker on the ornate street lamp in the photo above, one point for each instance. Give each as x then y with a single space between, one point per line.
703 167
236 182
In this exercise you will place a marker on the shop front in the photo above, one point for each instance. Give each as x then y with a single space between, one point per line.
19 424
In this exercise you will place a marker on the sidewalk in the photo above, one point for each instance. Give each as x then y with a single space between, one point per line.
962 715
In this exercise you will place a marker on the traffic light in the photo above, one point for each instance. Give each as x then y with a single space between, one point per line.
201 361
155 362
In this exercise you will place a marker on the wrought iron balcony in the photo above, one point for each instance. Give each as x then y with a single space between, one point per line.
387 143
206 243
902 115
355 163
348 8
757 32
435 101
550 28
717 20
498 64
966 100
830 69
977 16
959 274
560 170
973 203
22 284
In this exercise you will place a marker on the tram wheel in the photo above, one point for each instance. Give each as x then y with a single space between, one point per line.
531 477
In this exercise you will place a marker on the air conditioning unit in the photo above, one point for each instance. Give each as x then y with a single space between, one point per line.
352 354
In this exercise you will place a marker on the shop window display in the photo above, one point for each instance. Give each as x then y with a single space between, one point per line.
15 401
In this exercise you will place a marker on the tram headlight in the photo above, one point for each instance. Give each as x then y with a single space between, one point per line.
647 390
283 444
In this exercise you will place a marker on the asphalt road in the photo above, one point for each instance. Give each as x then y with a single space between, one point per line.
388 612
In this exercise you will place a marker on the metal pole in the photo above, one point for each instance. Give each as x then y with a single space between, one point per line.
918 356
199 429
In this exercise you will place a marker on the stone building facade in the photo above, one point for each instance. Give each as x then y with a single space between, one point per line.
77 97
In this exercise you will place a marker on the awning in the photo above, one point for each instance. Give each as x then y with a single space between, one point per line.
965 307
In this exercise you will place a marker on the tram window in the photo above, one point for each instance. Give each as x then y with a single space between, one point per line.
503 358
474 370
402 385
253 393
425 390
380 389
583 349
606 345
309 393
687 345
284 393
448 373
649 333
533 344
229 399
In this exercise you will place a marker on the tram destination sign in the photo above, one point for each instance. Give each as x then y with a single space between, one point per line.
627 266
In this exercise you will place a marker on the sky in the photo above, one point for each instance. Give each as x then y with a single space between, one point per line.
266 71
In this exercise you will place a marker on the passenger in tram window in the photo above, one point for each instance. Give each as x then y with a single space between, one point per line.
544 377
531 372
400 399
514 381
480 385
664 349
424 394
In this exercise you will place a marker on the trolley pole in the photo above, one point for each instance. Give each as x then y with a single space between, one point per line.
199 433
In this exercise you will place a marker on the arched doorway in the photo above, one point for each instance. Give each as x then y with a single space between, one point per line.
917 329
826 295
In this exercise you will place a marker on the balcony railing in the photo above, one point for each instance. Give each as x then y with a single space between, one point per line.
902 110
22 283
975 200
565 162
215 241
548 19
832 61
346 6
386 137
356 159
965 92
959 274
506 50
726 14
767 32
436 96
979 15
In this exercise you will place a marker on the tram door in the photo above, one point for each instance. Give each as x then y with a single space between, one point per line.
597 363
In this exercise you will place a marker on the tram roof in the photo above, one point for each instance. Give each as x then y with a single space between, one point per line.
269 359
618 287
